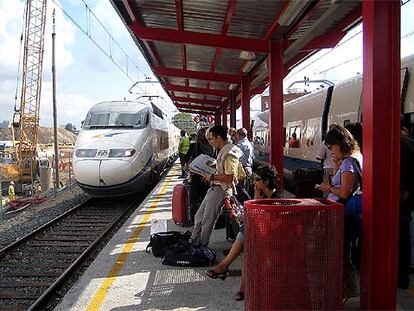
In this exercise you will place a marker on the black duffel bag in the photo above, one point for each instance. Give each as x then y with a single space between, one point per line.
160 241
184 254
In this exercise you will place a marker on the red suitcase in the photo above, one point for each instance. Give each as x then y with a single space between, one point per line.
180 205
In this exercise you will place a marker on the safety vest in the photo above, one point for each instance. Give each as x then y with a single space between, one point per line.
184 145
12 195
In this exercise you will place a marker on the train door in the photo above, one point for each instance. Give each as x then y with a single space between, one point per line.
407 106
325 113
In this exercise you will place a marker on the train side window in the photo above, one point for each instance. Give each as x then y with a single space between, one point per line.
157 111
294 136
284 135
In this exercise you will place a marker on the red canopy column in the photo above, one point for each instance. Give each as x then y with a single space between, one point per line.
224 114
276 106
381 136
217 120
245 103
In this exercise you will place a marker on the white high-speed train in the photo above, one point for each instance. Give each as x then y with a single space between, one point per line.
309 116
121 146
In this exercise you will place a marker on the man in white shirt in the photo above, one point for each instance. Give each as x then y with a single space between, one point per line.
324 154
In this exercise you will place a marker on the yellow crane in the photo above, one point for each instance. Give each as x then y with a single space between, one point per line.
26 115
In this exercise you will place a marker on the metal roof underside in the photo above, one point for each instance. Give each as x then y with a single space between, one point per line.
199 49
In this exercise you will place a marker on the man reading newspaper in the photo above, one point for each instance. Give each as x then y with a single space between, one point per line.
222 183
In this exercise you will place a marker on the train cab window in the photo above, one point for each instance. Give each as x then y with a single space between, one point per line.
294 136
96 119
137 120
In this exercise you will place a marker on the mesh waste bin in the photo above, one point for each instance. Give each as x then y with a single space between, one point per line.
293 254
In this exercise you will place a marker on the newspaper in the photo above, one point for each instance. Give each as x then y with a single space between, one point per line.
203 164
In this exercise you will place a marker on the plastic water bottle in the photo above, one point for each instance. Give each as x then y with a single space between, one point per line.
158 225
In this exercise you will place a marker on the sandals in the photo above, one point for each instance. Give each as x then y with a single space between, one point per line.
217 275
239 296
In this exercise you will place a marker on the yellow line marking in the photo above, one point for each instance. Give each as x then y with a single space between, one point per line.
116 268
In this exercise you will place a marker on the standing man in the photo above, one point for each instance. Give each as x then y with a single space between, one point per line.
325 156
183 147
406 207
247 158
222 184
12 195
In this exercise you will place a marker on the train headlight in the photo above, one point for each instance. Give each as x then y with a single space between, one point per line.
86 153
121 153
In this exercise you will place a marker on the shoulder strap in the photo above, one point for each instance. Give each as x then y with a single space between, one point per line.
358 169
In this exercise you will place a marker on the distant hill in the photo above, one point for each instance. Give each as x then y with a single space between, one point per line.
45 135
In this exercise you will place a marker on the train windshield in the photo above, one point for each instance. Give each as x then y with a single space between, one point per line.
118 119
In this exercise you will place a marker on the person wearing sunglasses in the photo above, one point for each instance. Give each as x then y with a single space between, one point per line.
266 186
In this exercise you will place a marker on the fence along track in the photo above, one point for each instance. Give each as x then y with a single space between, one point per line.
32 268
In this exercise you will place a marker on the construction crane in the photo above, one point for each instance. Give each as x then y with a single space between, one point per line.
26 113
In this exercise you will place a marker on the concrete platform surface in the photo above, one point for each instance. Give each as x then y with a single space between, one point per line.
125 277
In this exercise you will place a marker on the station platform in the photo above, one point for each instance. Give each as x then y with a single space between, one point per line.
125 277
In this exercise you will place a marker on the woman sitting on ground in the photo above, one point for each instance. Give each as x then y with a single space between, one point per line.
266 185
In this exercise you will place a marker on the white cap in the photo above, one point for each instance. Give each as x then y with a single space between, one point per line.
12 183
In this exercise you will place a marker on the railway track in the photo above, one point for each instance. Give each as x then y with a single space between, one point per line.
35 267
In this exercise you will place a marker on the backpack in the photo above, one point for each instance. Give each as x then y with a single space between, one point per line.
184 254
161 240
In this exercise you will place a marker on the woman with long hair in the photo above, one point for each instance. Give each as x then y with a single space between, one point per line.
347 160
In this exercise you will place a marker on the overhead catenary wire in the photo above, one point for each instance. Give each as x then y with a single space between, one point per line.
88 32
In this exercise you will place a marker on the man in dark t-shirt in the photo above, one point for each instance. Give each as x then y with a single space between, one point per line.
406 206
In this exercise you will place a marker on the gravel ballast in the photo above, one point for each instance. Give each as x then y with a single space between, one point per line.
23 222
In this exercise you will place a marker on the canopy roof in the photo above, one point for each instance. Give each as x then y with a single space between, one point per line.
199 49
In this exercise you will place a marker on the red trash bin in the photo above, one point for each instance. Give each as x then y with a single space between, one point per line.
293 254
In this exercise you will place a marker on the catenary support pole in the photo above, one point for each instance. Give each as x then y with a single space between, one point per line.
57 179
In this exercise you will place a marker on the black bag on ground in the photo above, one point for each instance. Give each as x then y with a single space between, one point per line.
184 254
161 240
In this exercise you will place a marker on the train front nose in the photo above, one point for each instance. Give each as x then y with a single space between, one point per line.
103 172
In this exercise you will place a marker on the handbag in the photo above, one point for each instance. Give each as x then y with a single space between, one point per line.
235 210
353 206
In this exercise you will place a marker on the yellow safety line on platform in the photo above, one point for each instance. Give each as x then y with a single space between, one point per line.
116 268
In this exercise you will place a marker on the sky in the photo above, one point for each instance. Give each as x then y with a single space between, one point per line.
86 76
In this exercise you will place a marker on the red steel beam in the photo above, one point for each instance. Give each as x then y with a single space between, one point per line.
275 24
334 35
194 111
180 26
221 77
195 107
304 18
203 39
276 106
381 175
197 90
197 101
229 15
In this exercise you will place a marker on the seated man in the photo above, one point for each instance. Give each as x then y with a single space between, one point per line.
222 184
